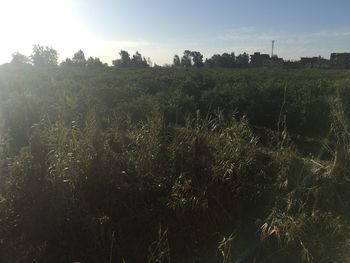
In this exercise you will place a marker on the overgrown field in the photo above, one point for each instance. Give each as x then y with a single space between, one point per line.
174 165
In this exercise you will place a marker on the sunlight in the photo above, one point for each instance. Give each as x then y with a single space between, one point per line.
24 23
166 131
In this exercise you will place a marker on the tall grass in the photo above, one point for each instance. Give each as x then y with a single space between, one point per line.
110 172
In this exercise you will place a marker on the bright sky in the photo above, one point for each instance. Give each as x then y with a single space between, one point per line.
161 28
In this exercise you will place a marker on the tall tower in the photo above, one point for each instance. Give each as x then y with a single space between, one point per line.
273 47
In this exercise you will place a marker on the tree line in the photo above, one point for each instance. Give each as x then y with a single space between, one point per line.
226 60
44 56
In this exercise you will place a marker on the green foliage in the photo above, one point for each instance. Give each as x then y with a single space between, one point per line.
79 59
228 61
137 61
93 160
19 59
176 61
44 56
186 60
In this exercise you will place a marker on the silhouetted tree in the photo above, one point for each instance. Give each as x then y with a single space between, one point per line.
79 59
124 60
19 59
138 61
176 61
125 56
243 60
186 59
197 58
66 62
94 63
228 60
209 63
223 61
44 56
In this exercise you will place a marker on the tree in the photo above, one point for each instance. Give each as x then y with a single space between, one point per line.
228 60
186 59
94 63
79 59
124 60
243 60
19 59
125 57
67 62
44 56
176 61
209 63
225 60
197 58
138 61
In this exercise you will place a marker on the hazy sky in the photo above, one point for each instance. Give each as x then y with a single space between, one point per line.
161 28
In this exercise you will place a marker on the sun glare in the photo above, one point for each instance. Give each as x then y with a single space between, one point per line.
24 23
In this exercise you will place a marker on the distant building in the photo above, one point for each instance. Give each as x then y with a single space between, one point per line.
336 61
292 64
307 62
258 60
315 62
340 60
275 62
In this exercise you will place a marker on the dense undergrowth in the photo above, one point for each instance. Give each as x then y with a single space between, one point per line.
172 165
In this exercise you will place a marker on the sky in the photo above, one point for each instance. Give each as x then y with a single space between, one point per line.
161 28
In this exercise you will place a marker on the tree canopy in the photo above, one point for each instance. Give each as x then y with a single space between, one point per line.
19 59
125 61
44 56
79 58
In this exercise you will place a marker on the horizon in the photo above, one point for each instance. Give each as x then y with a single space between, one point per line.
160 29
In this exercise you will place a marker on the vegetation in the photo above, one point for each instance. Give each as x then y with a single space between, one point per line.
112 164
195 59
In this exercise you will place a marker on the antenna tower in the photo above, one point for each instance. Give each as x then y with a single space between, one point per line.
273 47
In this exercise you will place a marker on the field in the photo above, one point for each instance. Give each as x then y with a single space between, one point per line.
174 165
